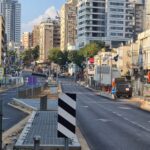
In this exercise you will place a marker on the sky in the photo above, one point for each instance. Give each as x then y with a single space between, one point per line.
34 10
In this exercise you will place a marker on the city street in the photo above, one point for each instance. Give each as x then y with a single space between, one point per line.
109 125
11 116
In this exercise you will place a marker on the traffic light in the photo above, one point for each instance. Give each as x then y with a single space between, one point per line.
148 77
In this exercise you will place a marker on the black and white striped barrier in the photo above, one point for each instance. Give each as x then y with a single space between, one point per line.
66 115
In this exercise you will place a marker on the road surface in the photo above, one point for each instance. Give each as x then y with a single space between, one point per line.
109 125
11 116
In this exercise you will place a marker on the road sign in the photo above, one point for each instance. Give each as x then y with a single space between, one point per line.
66 115
32 80
1 72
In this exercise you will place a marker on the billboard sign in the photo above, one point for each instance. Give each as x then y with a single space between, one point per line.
32 80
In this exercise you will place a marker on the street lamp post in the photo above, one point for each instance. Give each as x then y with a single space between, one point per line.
100 70
5 61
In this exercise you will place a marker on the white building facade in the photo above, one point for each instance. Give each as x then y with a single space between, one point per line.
110 21
90 21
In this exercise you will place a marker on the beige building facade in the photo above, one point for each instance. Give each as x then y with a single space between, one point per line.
27 40
36 35
144 46
128 58
2 37
68 22
135 55
56 35
49 37
147 15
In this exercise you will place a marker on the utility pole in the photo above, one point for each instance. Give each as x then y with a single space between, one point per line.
133 40
100 70
111 69
134 32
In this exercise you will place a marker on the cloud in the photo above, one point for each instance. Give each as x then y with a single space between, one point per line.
50 12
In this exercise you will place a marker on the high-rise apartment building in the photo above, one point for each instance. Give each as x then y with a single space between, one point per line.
2 38
49 37
36 35
11 10
56 35
68 25
27 40
110 21
147 15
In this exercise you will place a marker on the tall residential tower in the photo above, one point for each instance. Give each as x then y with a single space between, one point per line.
11 10
110 21
68 25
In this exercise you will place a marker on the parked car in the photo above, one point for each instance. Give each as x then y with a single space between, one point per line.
123 88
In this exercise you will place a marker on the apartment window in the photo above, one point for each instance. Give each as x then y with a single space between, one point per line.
116 4
113 34
98 17
120 34
96 10
98 28
116 22
117 16
95 22
116 10
116 28
97 34
87 4
98 4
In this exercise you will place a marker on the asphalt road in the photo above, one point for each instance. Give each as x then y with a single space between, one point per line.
109 125
11 116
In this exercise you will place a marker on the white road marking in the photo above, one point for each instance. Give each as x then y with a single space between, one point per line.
103 120
127 108
5 118
126 119
84 106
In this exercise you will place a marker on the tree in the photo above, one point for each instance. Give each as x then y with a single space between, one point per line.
26 56
75 57
91 49
72 56
35 53
57 56
30 55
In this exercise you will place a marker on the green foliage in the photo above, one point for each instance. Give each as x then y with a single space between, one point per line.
30 55
26 57
57 56
75 57
35 53
91 49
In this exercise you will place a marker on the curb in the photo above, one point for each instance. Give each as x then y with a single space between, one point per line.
98 93
16 102
108 96
13 131
11 88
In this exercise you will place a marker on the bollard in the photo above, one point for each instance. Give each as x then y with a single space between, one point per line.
36 142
